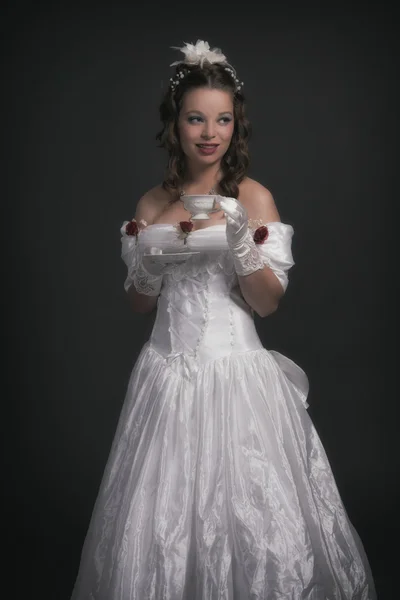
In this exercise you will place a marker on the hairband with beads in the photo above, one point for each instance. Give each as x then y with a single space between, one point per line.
180 75
198 54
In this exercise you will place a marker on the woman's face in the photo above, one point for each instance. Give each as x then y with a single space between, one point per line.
206 125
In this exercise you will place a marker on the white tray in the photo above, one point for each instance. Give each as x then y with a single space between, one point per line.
172 257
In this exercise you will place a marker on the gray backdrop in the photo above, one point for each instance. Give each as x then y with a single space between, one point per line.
82 88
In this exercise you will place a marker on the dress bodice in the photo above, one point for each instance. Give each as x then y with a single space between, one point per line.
201 312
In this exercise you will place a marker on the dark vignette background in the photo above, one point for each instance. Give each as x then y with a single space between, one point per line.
81 91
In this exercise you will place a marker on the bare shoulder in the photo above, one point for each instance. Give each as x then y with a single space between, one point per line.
258 200
151 204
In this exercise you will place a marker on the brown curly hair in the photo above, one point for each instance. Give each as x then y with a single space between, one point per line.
235 162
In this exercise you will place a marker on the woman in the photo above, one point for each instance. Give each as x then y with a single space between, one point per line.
217 485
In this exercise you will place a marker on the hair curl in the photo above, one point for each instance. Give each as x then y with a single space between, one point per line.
235 162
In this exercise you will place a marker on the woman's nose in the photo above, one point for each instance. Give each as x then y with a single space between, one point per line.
208 131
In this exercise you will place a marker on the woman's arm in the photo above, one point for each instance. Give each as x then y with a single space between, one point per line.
147 209
262 290
141 303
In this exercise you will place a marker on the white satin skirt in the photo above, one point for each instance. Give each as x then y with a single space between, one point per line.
217 487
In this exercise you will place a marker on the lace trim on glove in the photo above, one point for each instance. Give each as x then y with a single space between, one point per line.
246 256
131 254
144 283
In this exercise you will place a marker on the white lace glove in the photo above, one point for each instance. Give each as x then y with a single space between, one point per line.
148 275
143 272
246 256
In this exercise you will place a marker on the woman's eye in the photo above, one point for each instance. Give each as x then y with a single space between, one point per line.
197 119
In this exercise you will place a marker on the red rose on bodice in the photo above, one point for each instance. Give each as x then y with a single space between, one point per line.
186 226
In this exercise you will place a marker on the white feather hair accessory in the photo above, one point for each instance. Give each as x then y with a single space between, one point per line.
198 54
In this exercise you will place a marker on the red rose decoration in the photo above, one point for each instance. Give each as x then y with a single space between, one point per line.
183 228
261 234
186 226
132 228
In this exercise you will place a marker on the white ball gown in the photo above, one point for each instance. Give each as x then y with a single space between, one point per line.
217 486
